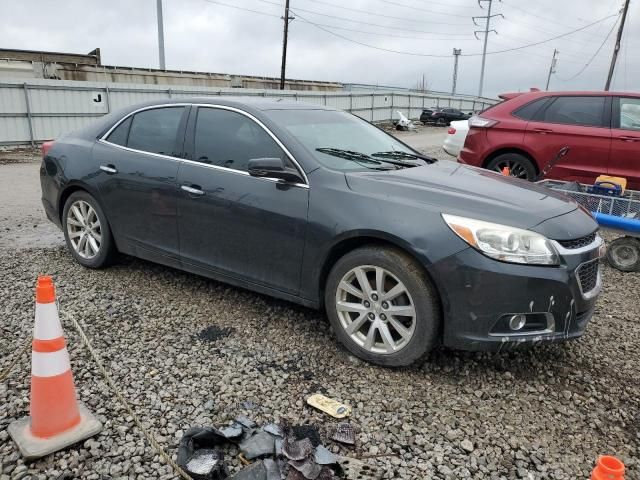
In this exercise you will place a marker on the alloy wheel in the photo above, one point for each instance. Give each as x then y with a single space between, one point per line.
375 309
516 169
84 229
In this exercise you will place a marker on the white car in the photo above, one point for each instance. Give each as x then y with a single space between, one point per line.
455 137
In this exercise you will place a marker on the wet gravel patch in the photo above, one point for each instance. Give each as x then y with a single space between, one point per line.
545 412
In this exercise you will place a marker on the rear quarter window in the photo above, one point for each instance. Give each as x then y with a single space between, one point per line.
531 109
120 134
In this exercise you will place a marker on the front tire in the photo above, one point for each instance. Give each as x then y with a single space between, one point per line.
519 166
382 306
86 231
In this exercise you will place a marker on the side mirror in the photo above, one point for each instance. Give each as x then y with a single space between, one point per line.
273 168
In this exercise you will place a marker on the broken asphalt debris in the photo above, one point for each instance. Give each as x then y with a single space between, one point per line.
270 452
329 406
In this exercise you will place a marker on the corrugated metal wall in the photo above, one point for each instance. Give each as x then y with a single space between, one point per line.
43 109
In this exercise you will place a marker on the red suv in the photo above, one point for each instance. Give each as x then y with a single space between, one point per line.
526 131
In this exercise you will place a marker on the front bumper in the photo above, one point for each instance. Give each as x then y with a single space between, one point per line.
480 295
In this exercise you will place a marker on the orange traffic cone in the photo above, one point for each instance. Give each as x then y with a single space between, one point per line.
608 468
506 171
57 419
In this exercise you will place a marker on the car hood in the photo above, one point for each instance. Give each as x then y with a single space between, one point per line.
449 187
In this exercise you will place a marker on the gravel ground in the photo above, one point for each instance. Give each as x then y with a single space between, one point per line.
187 351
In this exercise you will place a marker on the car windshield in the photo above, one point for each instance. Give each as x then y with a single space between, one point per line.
342 141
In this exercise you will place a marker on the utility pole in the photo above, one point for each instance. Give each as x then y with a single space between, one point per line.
614 58
286 19
486 32
160 35
552 67
456 55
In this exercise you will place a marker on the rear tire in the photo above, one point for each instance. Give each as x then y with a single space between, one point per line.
441 122
624 254
383 326
519 165
87 232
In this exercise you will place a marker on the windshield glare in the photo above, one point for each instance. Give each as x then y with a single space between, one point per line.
334 129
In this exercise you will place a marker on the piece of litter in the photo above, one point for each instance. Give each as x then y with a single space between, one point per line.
344 433
306 431
258 445
327 474
232 431
297 449
273 429
255 471
245 421
273 469
202 462
323 456
307 467
329 406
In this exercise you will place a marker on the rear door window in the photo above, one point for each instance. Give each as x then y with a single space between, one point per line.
229 139
629 113
156 130
576 110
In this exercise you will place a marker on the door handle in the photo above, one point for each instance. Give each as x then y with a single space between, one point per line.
192 189
627 138
108 168
542 131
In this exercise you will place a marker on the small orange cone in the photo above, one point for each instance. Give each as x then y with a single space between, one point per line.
608 468
506 171
57 419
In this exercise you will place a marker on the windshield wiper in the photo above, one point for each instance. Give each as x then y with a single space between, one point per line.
358 157
400 154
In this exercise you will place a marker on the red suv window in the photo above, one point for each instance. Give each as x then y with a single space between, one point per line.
575 110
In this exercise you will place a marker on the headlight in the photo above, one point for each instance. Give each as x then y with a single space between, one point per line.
504 243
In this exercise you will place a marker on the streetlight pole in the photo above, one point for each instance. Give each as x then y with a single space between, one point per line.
160 35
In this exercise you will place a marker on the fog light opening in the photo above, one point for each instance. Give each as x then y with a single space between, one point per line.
517 322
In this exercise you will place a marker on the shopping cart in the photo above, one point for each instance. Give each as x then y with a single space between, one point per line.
619 213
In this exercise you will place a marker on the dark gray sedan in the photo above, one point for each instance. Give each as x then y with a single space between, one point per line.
319 207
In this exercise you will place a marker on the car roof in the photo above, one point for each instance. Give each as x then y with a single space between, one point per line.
585 93
242 102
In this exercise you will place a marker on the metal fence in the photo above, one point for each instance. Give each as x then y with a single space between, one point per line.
43 109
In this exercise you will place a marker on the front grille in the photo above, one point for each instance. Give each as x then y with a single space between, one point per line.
588 275
578 242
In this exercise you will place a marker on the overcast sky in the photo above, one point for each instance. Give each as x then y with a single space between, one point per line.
206 36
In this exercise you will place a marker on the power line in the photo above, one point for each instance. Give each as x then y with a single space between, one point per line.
243 9
450 55
546 19
326 27
406 19
586 65
335 27
298 9
424 9
391 35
